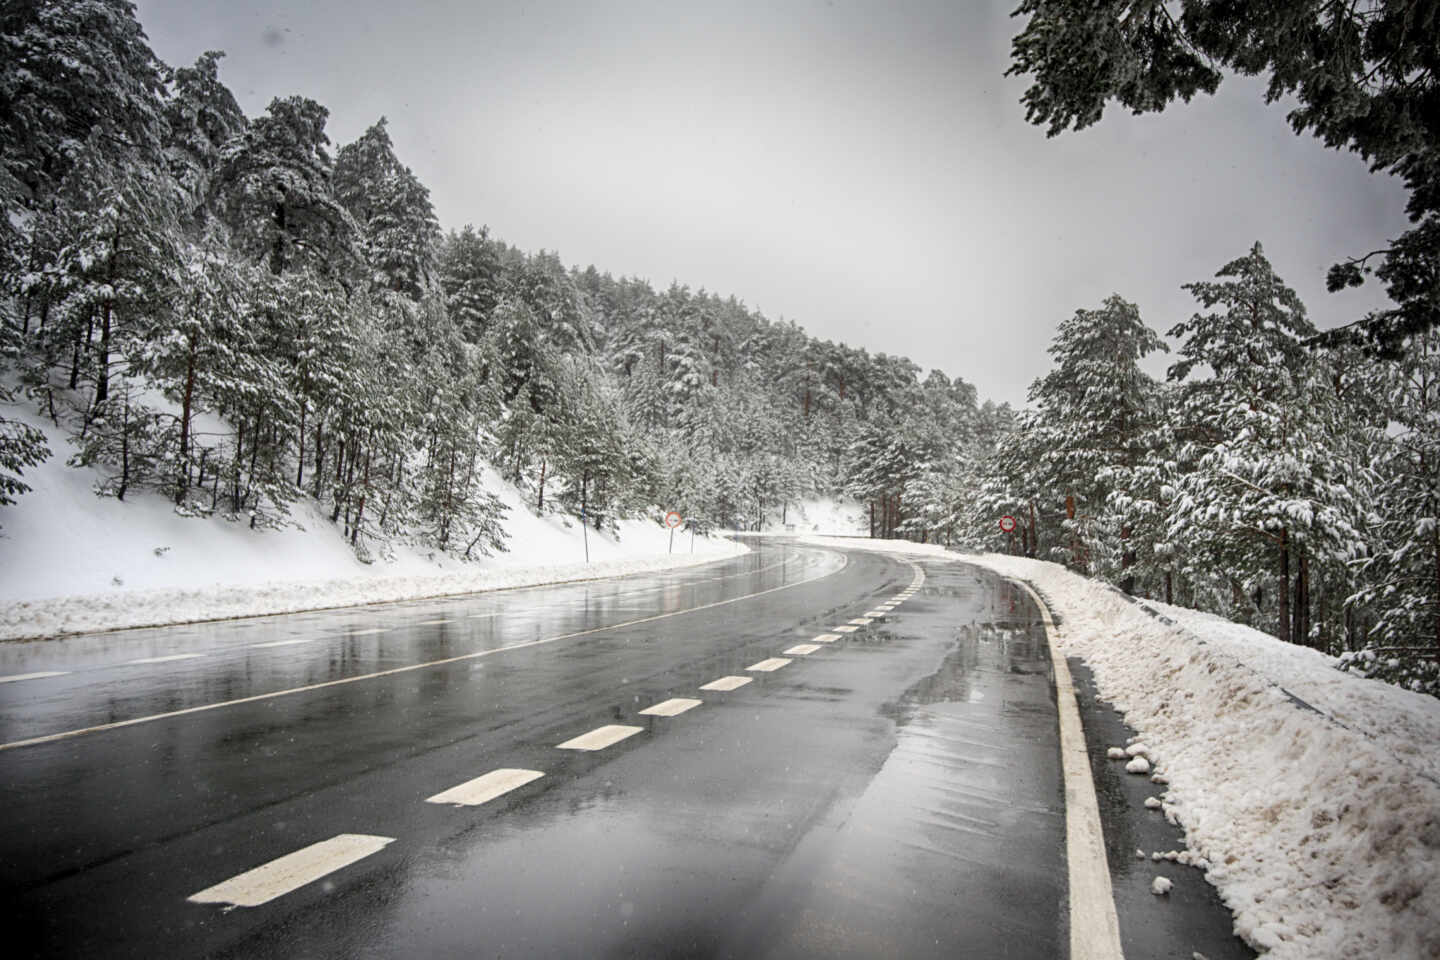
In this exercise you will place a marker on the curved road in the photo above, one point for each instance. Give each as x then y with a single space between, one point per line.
596 769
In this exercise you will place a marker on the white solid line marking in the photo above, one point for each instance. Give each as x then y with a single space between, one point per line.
117 724
171 657
826 638
285 643
769 665
485 788
726 683
1094 926
33 676
292 871
672 707
845 629
860 621
803 649
600 737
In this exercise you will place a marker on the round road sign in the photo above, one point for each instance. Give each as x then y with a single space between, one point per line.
1007 524
673 519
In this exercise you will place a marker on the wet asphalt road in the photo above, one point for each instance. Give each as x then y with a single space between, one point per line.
895 792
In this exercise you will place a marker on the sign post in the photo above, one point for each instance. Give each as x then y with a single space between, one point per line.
1007 525
673 520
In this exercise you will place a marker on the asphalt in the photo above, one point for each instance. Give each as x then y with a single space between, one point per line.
895 792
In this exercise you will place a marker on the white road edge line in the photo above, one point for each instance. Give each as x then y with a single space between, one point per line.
292 871
1094 925
672 707
600 737
33 676
485 788
117 724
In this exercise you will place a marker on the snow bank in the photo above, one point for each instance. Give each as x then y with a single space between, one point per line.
1313 794
71 561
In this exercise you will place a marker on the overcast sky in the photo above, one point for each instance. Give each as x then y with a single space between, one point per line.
863 169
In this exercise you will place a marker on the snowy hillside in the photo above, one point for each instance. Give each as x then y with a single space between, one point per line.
827 517
1310 796
72 561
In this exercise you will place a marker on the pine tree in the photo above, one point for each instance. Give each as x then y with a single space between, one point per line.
1264 493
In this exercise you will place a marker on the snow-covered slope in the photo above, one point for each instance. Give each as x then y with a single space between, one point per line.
72 561
826 516
1310 796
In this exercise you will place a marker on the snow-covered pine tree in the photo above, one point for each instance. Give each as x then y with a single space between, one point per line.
1265 493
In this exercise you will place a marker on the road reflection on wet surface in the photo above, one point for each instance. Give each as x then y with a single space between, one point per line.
894 792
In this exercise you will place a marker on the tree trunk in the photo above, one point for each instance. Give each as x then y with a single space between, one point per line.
124 451
1284 631
186 403
1127 560
540 503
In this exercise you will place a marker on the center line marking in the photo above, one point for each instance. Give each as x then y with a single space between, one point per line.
803 649
33 676
485 788
825 638
600 737
292 871
671 708
168 659
726 683
768 666
392 671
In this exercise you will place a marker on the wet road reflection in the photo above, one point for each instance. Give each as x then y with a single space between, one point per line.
893 792
97 679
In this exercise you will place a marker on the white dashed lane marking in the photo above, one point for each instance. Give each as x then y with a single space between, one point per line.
485 788
802 649
292 871
826 638
671 708
768 666
846 629
726 683
860 621
600 737
172 657
427 623
361 633
285 643
33 676
874 614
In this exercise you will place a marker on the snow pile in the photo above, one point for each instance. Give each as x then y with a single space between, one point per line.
1310 796
71 561
1313 795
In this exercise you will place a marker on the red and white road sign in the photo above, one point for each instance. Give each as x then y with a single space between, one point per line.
1007 524
673 519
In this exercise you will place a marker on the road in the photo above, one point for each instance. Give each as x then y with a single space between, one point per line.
799 752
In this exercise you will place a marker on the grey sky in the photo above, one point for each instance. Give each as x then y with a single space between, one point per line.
860 168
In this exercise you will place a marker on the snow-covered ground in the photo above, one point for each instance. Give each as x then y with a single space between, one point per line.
826 516
1311 797
71 561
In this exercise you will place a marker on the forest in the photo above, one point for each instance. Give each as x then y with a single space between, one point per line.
238 315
